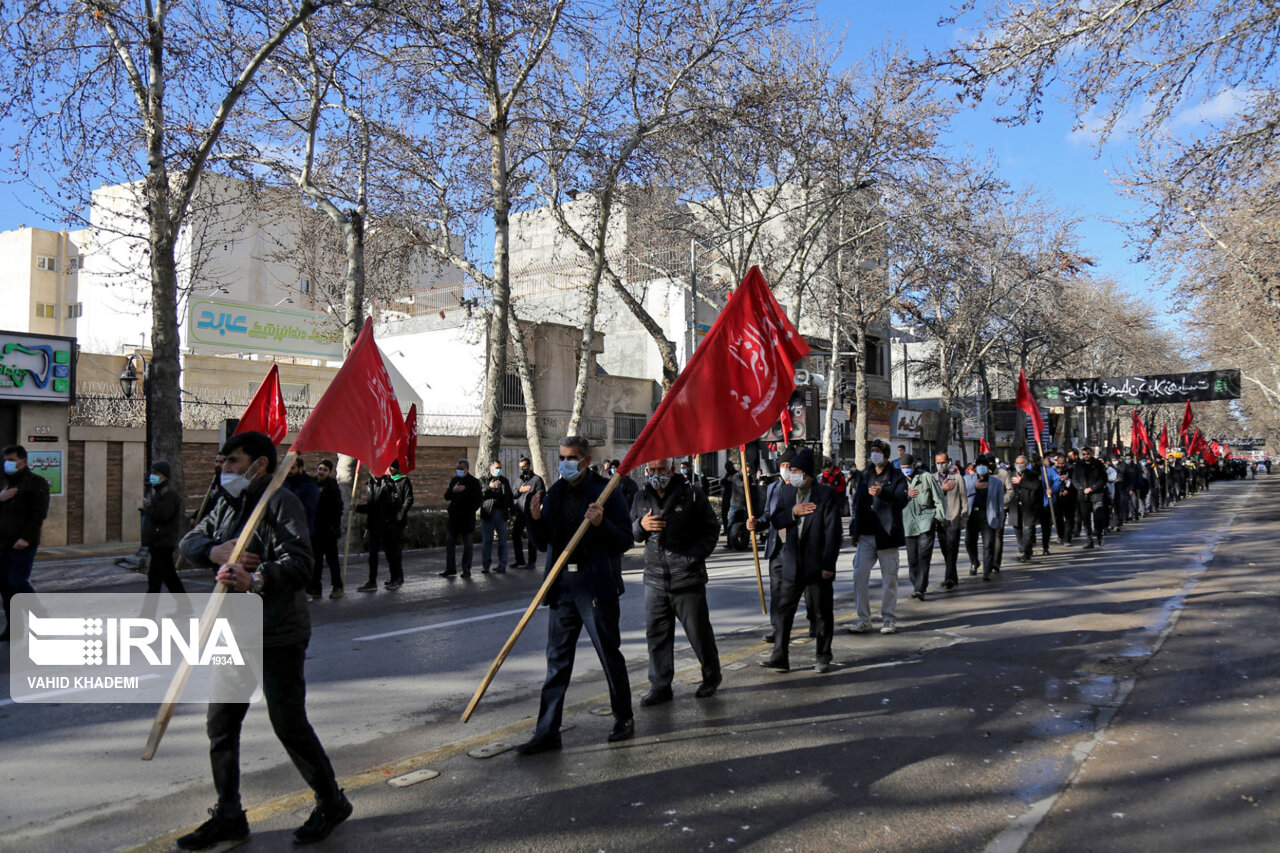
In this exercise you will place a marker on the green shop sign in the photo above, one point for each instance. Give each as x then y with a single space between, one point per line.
37 368
237 327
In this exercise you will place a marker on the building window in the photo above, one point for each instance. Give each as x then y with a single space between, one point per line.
74 310
305 285
513 393
628 427
44 262
45 309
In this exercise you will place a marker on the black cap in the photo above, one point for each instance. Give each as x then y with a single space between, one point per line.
803 461
160 466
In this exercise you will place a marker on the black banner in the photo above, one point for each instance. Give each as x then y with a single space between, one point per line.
1134 390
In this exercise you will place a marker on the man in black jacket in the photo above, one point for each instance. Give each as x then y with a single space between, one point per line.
530 484
464 496
390 497
773 542
1091 481
277 567
1028 502
161 529
328 530
679 529
877 532
496 501
24 503
807 519
585 594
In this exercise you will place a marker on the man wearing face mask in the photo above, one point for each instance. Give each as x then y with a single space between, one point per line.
1035 485
1068 500
1091 480
585 593
277 567
161 522
877 533
24 503
956 504
986 516
464 496
496 500
679 530
390 497
807 519
773 543
530 484
925 511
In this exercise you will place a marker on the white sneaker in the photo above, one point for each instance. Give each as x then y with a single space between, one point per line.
858 627
888 627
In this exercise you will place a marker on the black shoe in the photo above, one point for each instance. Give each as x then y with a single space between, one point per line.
623 730
466 573
517 565
1044 552
986 577
222 825
708 687
484 570
1022 558
775 665
656 696
394 584
502 570
336 592
768 638
972 572
948 584
371 586
539 743
1088 546
324 820
448 573
822 666
918 595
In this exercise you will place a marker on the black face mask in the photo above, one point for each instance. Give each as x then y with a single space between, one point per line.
525 473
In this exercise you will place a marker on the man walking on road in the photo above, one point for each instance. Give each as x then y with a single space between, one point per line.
773 542
679 530
328 529
161 530
877 533
585 594
951 528
1091 480
530 484
986 516
24 503
278 569
464 496
925 511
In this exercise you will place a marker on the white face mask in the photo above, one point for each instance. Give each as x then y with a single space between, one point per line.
797 478
234 484
497 472
877 458
907 472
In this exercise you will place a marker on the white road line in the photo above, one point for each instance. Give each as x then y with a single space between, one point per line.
448 624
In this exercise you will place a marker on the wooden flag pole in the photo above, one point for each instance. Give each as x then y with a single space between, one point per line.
751 534
180 678
537 599
351 512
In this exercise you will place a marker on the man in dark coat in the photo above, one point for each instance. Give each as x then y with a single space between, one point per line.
807 519
530 484
585 593
328 530
278 568
773 542
1091 480
1068 500
679 530
496 500
161 529
464 496
24 503
390 497
877 533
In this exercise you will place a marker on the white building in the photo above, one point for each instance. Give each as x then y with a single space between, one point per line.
42 277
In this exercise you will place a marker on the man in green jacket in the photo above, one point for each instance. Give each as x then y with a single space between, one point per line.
922 514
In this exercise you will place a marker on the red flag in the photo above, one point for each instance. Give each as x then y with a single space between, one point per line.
1164 438
1027 403
1187 417
409 450
735 386
787 426
265 412
983 447
359 414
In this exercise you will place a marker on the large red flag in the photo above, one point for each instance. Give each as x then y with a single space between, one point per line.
735 386
359 414
266 413
409 452
1027 403
1164 438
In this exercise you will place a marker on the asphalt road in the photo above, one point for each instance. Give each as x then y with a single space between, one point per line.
1116 699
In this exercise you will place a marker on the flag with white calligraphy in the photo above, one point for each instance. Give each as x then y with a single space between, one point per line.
735 386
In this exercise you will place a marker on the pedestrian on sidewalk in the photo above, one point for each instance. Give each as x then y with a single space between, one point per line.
679 530
530 484
877 533
24 503
390 497
585 593
808 522
277 567
464 496
328 530
496 501
926 511
161 529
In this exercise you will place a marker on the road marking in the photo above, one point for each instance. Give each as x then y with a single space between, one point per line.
432 627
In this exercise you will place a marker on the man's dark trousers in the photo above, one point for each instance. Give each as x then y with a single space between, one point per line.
15 575
326 551
819 603
285 691
949 536
690 607
161 571
978 526
391 540
467 538
919 554
576 608
518 537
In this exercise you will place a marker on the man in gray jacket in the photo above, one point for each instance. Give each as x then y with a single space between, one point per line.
951 528
679 530
924 511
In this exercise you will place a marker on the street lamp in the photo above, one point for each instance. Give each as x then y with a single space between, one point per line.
128 379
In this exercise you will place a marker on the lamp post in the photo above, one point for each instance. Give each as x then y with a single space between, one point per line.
128 379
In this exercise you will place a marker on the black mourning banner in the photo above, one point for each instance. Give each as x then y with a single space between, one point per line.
1133 390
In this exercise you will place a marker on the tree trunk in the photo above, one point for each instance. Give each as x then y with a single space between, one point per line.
986 406
860 426
162 383
353 302
586 361
537 456
495 377
829 448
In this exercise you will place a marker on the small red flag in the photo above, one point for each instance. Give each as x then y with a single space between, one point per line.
1027 403
409 451
735 386
1164 438
787 426
983 447
359 414
1187 417
266 413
